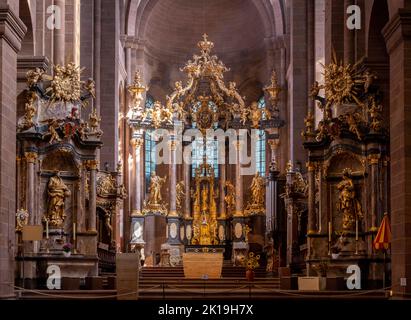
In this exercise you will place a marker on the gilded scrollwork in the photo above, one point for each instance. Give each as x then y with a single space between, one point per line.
350 93
106 185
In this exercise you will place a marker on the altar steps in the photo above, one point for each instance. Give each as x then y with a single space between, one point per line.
178 272
222 289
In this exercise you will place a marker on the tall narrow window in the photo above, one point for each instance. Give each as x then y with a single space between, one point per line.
211 149
149 147
260 150
211 153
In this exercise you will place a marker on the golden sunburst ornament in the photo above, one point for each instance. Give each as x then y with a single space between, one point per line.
343 83
66 84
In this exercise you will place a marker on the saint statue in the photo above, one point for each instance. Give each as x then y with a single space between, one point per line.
156 183
204 199
257 190
205 233
348 205
230 195
255 115
180 193
57 191
196 196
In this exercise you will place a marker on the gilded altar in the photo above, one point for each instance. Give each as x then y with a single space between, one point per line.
205 226
57 168
347 176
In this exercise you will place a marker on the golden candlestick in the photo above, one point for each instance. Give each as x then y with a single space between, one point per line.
329 237
74 238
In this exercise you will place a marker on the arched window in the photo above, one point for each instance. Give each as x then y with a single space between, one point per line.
149 147
260 151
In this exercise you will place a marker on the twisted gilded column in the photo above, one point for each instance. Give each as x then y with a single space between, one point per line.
31 158
92 166
137 144
173 178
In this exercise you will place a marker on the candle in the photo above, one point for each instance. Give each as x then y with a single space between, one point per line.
47 229
356 230
74 231
329 231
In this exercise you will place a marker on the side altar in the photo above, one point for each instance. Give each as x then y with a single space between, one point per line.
57 174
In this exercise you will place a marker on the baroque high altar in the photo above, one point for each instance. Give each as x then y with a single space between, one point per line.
193 208
321 220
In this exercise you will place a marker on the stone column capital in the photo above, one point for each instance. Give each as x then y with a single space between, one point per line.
12 29
173 145
273 143
374 159
31 157
310 166
137 143
92 164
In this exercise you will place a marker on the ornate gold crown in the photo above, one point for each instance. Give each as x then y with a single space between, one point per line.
205 45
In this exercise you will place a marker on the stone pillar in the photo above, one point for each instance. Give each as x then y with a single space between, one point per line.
59 35
312 219
397 34
92 166
292 232
297 80
173 220
12 31
349 38
239 208
173 178
31 158
374 160
109 84
272 205
137 144
187 179
271 189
